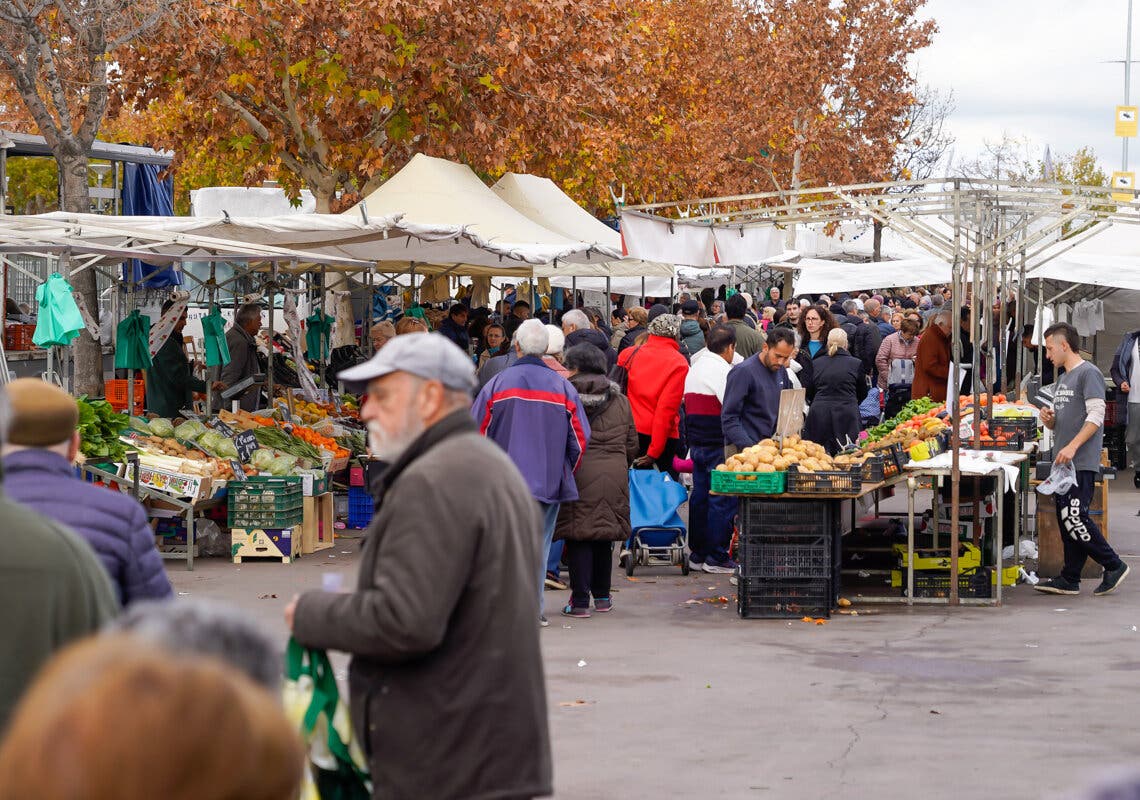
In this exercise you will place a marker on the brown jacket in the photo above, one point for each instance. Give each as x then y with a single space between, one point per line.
931 365
446 679
601 512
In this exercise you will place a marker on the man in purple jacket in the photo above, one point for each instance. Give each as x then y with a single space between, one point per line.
535 415
38 456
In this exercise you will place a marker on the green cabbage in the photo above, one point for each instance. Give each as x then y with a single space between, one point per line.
281 465
261 458
161 427
190 430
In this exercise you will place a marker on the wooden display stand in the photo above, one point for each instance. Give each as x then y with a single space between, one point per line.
1051 552
317 524
283 544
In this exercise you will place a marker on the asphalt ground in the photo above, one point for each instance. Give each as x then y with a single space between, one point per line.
666 697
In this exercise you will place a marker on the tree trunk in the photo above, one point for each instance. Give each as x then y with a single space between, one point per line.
877 244
87 352
336 286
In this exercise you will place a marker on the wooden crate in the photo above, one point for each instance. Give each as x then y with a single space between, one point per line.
283 544
317 527
1051 551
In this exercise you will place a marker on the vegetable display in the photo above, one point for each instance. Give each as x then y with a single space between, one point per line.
99 429
280 440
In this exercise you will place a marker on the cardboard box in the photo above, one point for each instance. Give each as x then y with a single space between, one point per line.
283 544
317 528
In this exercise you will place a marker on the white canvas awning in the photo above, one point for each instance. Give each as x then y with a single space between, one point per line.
817 276
1106 255
694 244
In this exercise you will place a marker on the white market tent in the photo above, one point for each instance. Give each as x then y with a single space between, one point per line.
540 200
1106 255
819 276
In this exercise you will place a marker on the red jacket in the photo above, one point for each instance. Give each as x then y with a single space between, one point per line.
657 373
931 365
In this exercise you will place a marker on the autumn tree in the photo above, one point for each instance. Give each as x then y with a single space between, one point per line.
55 54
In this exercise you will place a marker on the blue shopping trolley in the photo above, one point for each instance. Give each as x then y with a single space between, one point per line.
659 535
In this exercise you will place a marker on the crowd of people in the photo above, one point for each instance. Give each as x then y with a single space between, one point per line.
518 434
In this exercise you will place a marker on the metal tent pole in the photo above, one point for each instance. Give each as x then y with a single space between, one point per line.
272 352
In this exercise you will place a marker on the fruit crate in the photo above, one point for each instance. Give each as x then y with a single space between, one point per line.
360 507
778 598
278 544
838 482
1014 443
879 467
976 583
762 557
19 337
116 391
725 482
266 502
1013 426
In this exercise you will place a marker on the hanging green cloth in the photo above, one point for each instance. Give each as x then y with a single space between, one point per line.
318 333
417 311
59 320
214 336
132 350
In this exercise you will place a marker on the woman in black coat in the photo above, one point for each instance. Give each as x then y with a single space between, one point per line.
600 516
838 386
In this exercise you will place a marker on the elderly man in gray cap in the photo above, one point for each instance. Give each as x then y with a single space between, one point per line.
442 627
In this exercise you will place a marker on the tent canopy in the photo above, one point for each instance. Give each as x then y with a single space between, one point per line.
694 244
817 276
434 196
1105 255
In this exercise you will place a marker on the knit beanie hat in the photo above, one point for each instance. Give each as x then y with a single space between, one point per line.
43 415
657 310
667 325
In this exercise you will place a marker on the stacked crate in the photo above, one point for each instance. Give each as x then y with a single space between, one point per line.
265 517
787 568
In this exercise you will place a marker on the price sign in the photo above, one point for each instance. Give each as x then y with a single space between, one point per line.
239 473
246 443
189 415
221 427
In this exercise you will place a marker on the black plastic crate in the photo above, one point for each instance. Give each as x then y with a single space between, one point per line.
784 517
1011 426
838 482
763 558
936 583
778 598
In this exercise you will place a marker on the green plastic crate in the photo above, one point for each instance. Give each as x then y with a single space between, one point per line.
726 482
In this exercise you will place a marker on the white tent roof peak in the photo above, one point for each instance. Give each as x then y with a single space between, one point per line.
540 200
435 195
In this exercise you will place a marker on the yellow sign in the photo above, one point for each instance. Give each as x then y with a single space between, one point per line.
1126 118
1124 181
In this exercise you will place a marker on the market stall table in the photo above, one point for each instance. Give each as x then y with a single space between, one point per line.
998 464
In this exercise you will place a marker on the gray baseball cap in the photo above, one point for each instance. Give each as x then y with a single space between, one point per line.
426 355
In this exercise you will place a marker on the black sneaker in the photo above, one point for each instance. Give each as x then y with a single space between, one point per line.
1136 479
1058 585
1112 579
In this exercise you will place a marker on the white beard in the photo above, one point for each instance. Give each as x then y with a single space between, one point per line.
390 446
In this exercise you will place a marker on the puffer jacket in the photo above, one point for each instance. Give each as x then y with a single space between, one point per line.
893 347
601 512
113 524
692 338
657 373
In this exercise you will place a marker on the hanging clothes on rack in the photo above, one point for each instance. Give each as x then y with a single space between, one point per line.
318 334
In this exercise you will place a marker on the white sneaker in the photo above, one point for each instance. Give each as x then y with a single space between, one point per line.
726 568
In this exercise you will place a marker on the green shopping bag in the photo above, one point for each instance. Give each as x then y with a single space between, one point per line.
214 337
132 337
338 769
59 320
318 331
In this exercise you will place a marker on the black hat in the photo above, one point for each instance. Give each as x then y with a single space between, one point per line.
690 307
657 311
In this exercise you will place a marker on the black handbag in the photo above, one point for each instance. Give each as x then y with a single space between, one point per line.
620 374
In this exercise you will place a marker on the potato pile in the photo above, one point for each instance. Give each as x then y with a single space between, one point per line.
847 460
768 456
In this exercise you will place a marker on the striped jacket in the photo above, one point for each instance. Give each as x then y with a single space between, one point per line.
535 415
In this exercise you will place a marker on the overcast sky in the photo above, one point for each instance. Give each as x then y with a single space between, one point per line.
1033 68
